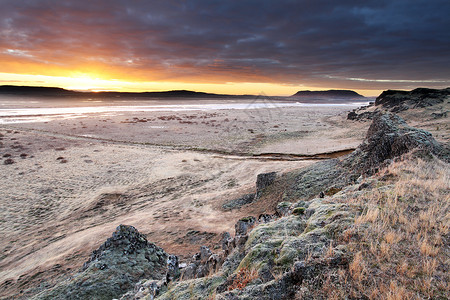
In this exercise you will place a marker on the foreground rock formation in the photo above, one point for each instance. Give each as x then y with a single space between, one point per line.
312 246
114 268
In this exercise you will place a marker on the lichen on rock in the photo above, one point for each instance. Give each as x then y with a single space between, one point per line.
114 268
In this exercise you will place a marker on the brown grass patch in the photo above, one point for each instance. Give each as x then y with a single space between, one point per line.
400 237
402 231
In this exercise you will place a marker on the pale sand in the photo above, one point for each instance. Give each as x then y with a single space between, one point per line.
54 214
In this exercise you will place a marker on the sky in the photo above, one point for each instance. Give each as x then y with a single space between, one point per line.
234 47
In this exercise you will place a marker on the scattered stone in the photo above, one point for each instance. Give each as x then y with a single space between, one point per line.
439 115
7 155
283 208
23 155
243 225
239 202
8 161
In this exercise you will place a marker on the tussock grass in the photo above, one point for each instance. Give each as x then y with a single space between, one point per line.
401 237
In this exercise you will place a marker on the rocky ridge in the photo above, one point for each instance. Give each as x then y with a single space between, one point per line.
397 101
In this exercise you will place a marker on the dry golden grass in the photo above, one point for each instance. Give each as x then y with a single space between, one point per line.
402 246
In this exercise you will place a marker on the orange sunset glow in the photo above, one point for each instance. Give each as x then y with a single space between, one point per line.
224 149
146 47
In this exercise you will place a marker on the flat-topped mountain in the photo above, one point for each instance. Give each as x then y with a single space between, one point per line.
329 93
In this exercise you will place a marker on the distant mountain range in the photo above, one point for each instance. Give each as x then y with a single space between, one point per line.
60 92
52 92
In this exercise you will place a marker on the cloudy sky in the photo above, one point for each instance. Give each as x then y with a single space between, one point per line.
275 47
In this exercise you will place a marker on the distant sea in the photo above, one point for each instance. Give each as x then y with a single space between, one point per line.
29 111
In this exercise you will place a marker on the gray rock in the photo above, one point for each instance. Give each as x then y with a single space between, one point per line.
402 100
190 271
227 243
239 202
266 218
243 225
388 137
8 161
114 268
173 269
264 180
205 253
283 208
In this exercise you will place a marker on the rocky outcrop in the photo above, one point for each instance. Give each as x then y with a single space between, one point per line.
364 116
263 181
114 268
206 262
396 101
388 137
304 247
276 256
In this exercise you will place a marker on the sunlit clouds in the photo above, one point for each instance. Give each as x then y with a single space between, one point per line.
239 47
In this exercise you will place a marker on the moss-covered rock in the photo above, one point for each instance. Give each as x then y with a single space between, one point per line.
299 210
194 289
114 268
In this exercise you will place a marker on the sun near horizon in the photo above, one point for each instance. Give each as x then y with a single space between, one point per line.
275 49
92 82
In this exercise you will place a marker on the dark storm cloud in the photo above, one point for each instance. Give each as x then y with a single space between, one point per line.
360 43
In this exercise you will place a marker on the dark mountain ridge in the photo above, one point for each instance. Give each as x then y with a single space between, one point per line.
40 91
51 92
329 93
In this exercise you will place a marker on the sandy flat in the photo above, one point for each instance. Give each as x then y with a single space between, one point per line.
166 173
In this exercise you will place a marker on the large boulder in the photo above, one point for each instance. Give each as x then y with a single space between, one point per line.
264 180
114 268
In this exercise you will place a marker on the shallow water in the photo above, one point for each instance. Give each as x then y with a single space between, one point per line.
46 114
